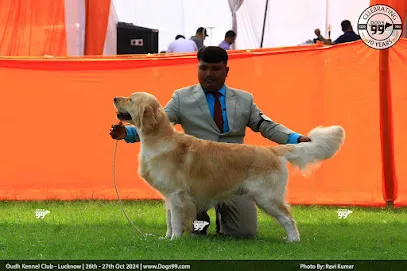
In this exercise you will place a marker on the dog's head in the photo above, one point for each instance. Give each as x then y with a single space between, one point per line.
140 109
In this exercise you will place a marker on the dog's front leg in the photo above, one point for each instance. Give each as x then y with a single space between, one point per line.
176 223
169 227
183 212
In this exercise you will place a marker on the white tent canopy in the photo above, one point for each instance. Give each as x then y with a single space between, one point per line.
289 22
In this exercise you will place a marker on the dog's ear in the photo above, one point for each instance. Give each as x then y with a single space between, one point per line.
138 117
147 119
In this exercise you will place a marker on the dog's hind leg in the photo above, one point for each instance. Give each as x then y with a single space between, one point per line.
279 210
183 212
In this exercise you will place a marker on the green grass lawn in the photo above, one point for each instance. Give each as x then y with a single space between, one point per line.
99 230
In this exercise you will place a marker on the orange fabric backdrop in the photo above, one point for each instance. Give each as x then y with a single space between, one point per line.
398 72
57 144
32 28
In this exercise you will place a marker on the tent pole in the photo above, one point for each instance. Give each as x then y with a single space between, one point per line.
264 24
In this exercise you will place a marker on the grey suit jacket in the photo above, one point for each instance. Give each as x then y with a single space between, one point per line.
189 108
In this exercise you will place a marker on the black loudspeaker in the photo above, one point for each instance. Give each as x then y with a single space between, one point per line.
132 39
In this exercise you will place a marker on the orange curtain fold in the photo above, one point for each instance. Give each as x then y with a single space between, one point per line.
386 129
32 28
97 17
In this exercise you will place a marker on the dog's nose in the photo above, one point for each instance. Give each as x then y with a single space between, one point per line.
115 99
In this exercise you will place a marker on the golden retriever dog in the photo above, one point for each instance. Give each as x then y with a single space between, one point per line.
194 174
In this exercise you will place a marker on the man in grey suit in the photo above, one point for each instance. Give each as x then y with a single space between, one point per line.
213 111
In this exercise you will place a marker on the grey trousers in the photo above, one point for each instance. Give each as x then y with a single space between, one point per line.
236 217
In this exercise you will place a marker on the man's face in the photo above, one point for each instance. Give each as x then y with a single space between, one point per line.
230 40
201 36
212 76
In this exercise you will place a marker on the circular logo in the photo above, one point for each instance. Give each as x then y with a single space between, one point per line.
380 27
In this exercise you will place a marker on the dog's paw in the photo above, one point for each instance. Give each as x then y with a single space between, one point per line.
164 237
175 237
295 239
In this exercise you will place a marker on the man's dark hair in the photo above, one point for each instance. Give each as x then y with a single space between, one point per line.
202 31
212 54
230 34
346 25
179 36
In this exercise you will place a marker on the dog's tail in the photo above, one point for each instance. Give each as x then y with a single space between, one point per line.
325 143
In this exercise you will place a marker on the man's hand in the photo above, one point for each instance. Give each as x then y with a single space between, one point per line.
303 139
118 131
